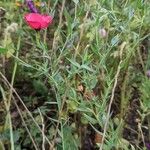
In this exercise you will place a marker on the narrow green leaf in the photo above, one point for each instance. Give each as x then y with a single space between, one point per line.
74 63
115 40
3 50
87 68
76 1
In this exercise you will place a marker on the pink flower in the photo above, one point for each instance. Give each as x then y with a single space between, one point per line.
38 21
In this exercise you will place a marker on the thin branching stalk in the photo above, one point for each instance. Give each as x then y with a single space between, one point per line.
11 91
81 34
45 32
112 95
59 24
59 119
110 104
19 98
9 116
43 129
141 132
24 124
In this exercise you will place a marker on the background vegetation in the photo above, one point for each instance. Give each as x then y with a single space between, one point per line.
82 83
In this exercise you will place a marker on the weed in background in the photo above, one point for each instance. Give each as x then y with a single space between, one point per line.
79 84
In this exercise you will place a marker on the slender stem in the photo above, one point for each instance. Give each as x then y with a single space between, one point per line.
110 104
43 129
59 25
4 44
2 145
113 93
11 90
24 124
19 98
45 33
77 51
38 38
124 100
148 119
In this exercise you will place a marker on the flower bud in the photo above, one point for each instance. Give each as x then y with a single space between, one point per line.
148 73
102 33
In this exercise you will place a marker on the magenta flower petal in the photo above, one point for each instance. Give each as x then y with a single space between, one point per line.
38 21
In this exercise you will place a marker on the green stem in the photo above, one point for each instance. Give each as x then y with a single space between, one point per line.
4 45
38 38
11 90
124 100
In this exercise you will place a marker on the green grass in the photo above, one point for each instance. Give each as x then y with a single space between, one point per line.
69 87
